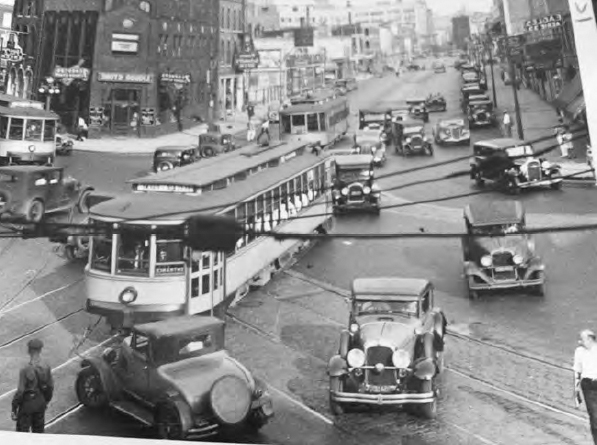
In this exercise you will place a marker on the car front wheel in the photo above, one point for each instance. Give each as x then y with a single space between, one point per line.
428 410
90 389
169 423
35 211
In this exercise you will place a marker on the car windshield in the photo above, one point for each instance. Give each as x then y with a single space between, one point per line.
384 307
353 175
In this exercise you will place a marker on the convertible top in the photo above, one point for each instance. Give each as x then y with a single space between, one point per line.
179 326
383 288
501 143
490 213
415 100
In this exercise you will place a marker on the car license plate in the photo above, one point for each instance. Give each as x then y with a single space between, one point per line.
382 388
504 268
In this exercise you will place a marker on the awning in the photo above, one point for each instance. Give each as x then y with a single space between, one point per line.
570 92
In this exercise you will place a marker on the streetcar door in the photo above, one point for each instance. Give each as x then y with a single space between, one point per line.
206 281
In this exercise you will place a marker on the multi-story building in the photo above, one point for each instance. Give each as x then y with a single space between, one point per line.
132 67
261 17
461 31
7 38
232 34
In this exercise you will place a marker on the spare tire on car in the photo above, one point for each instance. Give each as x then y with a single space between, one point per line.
230 399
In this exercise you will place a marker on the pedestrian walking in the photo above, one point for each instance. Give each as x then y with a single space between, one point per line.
82 129
564 138
585 376
34 391
507 124
250 132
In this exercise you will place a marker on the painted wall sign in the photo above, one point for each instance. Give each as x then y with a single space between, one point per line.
547 22
175 78
72 73
124 77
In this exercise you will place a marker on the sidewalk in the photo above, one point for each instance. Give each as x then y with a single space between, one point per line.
538 121
235 124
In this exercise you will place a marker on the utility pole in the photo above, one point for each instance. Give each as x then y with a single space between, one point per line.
512 70
489 43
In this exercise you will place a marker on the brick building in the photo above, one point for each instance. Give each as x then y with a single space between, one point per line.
130 67
232 28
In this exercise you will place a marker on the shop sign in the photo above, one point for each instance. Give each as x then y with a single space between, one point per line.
247 61
547 22
124 77
181 79
148 117
125 43
72 73
11 53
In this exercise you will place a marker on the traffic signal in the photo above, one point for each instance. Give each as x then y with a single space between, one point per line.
213 233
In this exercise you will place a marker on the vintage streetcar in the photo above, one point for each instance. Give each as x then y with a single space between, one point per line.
175 376
392 351
496 255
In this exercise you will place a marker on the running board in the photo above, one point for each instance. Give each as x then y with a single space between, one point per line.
133 410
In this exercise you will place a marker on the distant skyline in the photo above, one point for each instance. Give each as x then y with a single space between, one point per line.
451 7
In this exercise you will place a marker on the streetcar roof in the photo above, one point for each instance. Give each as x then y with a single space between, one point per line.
179 326
491 213
11 106
382 288
203 173
313 107
144 206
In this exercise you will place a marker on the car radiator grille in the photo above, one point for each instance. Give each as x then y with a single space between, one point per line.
534 171
355 194
501 259
455 133
481 116
416 142
383 355
505 275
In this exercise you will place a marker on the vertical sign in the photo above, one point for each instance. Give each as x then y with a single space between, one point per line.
585 36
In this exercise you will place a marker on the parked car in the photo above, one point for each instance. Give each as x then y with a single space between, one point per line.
451 132
418 109
436 102
212 144
414 141
439 68
393 348
169 157
28 193
64 145
370 142
470 92
512 165
481 113
505 261
176 376
354 185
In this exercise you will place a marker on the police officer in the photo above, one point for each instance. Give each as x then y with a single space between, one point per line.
35 390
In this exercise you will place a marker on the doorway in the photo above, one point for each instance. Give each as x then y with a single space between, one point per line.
125 111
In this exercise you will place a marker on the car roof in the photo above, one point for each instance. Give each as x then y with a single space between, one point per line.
214 134
27 168
179 326
175 147
385 288
501 143
455 121
489 213
413 128
480 101
472 86
354 160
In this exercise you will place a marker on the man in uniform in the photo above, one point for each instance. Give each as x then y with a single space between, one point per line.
35 390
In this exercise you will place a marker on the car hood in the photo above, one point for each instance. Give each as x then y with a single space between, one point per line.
393 331
517 245
194 377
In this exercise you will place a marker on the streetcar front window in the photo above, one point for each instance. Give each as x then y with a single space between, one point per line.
286 123
3 127
169 257
50 131
33 130
133 252
101 255
15 132
312 122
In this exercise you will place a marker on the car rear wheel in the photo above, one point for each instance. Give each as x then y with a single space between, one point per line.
209 152
169 422
35 211
336 384
90 389
428 410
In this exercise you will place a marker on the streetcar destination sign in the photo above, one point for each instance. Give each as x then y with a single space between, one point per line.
547 22
172 188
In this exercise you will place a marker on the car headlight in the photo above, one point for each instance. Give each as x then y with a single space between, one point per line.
425 138
408 140
373 149
545 165
345 191
518 259
486 261
401 358
355 358
354 328
375 188
367 190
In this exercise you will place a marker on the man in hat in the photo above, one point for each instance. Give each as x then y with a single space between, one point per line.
585 376
507 123
35 390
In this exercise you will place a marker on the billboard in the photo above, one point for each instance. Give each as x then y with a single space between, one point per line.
303 37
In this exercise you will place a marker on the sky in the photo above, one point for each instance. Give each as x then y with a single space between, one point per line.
451 7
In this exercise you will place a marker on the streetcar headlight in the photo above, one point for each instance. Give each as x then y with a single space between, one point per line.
486 261
518 259
128 295
545 165
367 190
401 359
355 358
345 191
354 328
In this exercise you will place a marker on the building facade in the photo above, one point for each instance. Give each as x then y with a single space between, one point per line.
461 31
232 31
129 67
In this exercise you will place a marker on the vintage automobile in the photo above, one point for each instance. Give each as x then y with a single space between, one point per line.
370 142
349 84
418 109
393 348
414 141
512 165
481 113
175 375
439 67
496 254
435 102
354 185
374 117
451 132
470 77
172 156
212 144
27 193
64 145
469 91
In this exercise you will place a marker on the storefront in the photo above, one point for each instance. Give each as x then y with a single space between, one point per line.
231 91
267 81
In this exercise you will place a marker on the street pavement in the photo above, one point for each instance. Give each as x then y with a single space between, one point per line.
288 345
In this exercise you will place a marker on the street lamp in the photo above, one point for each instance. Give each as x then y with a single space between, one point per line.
49 88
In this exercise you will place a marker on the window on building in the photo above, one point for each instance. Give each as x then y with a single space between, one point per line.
7 20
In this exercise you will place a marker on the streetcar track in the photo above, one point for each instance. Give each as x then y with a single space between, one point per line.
28 283
40 297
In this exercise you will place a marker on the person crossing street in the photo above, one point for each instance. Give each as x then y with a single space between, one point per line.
585 376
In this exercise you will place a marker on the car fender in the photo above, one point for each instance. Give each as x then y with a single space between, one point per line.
345 338
471 268
183 408
440 324
337 366
535 264
109 380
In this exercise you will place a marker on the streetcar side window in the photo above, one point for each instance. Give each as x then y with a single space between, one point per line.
298 120
312 122
15 132
49 131
3 127
33 130
133 253
322 123
101 254
241 218
250 220
259 213
169 257
267 211
286 123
